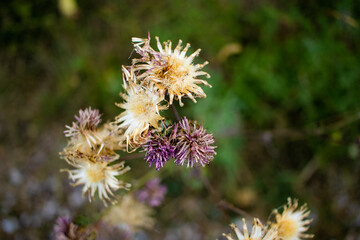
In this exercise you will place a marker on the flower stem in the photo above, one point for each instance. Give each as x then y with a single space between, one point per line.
176 113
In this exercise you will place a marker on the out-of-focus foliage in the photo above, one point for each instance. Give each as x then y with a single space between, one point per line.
284 106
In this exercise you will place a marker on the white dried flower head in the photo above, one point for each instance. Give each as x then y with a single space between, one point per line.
258 232
292 223
130 214
104 141
142 107
169 71
97 175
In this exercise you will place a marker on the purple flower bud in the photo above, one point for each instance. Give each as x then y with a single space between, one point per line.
158 150
61 227
153 193
64 229
192 144
88 119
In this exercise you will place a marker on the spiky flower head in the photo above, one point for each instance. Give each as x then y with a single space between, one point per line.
158 150
64 229
129 214
87 138
258 232
169 71
97 176
153 193
83 133
87 120
142 107
292 223
192 144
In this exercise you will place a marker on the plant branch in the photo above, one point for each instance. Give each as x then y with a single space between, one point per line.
221 203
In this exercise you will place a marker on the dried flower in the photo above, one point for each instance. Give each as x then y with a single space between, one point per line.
87 120
111 140
83 133
158 150
292 223
61 227
142 108
64 229
130 214
105 143
257 233
96 175
153 193
192 144
169 71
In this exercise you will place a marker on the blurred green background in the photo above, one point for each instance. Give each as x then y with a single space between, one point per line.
284 107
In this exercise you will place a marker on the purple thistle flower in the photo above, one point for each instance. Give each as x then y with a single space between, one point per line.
88 119
158 150
61 227
192 144
64 229
153 193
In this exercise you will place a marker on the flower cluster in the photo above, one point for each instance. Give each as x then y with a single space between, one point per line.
91 151
291 224
151 84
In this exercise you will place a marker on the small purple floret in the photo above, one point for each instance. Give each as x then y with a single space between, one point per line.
158 150
153 193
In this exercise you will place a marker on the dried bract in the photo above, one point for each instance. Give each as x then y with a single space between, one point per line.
258 232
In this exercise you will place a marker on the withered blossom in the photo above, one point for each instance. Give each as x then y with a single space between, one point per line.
97 175
258 232
142 107
293 223
130 214
169 71
87 120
